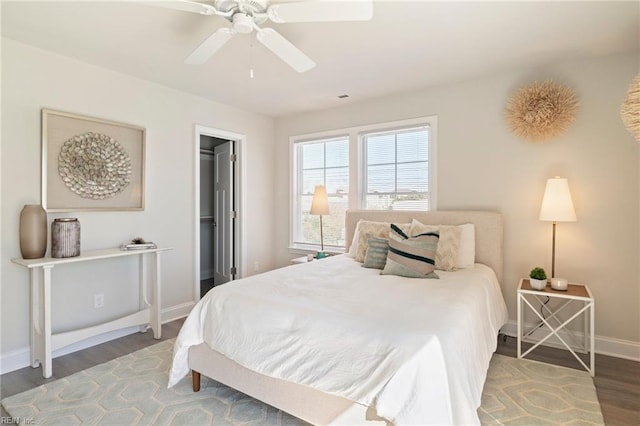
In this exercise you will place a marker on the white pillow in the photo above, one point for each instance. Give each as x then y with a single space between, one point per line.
467 248
353 248
465 254
448 244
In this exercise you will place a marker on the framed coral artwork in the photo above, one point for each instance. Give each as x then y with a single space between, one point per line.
90 164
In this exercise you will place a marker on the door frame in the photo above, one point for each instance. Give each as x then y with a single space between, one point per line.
239 250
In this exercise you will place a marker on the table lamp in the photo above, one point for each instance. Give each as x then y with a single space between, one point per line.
320 206
557 206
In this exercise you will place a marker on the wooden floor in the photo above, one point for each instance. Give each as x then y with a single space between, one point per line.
617 380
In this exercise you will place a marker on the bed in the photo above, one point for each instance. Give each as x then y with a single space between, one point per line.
331 342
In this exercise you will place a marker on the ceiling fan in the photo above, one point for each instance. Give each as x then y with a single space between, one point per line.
246 15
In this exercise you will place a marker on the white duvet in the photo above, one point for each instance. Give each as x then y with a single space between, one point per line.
417 350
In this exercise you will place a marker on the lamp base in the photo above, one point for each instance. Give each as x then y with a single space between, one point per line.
321 255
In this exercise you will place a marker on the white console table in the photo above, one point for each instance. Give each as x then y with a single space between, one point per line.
43 342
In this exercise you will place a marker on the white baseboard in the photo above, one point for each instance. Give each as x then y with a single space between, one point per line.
618 348
176 312
20 358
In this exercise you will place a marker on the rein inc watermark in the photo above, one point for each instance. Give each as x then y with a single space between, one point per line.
9 420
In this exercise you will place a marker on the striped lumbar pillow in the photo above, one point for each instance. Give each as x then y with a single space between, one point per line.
411 257
376 256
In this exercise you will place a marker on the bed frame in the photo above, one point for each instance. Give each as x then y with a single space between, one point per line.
314 406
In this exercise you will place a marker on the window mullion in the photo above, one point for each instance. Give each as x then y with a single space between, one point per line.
324 165
364 191
299 190
395 165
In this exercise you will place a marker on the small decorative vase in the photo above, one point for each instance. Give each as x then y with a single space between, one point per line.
559 284
33 231
537 284
65 237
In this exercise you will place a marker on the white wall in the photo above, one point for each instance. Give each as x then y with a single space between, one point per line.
482 166
33 79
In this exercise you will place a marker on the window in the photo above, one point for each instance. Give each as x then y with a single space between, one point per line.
396 170
321 162
389 166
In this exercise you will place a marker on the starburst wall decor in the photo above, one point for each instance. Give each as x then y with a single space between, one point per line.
540 111
630 110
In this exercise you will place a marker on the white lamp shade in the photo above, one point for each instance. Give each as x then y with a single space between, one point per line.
320 202
557 205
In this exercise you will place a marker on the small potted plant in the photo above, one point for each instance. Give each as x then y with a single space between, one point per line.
538 278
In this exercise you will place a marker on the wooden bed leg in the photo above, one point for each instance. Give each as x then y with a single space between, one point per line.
195 377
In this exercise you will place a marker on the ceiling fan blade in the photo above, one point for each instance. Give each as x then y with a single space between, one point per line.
321 11
186 5
284 49
210 46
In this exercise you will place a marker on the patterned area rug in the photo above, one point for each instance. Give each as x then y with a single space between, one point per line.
133 390
524 392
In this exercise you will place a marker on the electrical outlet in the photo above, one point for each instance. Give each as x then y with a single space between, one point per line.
98 300
256 266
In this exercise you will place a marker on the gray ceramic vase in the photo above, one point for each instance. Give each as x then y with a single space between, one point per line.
33 231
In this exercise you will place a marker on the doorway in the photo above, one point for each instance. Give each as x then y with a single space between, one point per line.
217 201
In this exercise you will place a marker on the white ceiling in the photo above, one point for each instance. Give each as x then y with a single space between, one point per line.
407 45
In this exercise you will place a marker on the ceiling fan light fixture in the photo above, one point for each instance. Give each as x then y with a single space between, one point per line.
246 16
243 23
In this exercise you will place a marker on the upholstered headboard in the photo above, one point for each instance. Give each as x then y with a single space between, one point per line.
488 227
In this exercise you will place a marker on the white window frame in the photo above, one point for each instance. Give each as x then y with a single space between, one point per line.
296 174
357 163
363 172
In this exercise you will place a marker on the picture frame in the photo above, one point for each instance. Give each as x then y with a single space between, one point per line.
91 164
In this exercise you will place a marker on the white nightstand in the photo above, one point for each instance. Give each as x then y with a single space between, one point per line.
575 294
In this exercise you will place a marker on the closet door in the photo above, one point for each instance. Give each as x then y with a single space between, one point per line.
206 216
224 216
